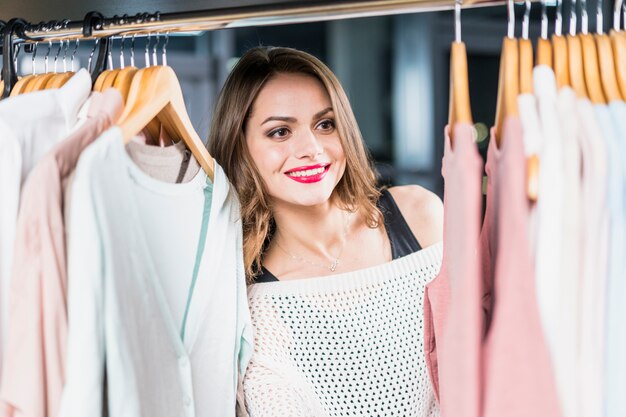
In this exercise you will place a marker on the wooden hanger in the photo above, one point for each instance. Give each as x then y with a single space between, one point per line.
100 80
508 80
576 66
561 61
606 59
123 80
607 68
157 93
591 69
38 83
619 55
58 82
544 52
21 83
110 79
618 42
544 47
123 84
460 110
508 85
526 66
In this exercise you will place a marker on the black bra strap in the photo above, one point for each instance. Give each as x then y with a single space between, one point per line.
403 241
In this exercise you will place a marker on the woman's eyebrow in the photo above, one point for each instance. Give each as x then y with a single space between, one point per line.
323 112
280 118
293 119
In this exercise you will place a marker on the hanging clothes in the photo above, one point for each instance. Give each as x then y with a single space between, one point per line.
533 138
517 369
615 339
614 271
565 357
595 254
118 309
30 126
173 163
458 347
549 208
34 361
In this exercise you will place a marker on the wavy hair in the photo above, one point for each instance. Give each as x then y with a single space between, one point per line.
227 144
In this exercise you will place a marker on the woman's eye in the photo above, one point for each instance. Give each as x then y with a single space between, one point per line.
279 133
327 124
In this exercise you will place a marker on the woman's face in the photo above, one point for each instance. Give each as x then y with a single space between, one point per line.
293 141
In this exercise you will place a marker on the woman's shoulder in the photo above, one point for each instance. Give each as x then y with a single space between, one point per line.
423 211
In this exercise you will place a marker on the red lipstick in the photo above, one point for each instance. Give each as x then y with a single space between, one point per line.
308 174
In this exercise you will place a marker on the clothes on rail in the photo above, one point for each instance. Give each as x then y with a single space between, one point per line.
615 341
554 337
30 126
121 269
34 360
127 286
457 370
518 378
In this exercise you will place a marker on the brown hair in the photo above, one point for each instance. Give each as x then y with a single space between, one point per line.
227 144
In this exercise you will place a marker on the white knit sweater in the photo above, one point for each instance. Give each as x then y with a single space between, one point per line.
343 345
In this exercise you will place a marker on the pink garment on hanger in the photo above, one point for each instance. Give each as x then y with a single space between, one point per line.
34 362
453 317
518 378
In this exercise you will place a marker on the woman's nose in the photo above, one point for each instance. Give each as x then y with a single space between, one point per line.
308 145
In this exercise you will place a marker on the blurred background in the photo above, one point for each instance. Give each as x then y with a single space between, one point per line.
393 68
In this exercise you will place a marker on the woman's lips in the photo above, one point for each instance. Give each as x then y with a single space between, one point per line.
308 174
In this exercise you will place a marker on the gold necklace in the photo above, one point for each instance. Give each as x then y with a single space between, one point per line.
334 264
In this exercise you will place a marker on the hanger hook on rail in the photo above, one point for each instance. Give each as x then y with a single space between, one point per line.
122 51
599 18
154 50
146 53
544 20
457 20
584 17
510 19
73 55
34 57
526 21
164 53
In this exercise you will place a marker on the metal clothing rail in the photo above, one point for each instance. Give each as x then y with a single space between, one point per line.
274 14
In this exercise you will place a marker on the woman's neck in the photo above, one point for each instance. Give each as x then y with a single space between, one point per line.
319 231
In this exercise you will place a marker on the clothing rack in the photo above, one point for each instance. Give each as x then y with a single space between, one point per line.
247 16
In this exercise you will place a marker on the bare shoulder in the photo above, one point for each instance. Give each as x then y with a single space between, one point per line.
423 211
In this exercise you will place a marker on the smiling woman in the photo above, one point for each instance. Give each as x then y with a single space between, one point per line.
338 320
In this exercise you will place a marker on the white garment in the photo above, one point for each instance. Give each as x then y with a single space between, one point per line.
549 208
173 244
30 125
595 248
117 308
615 339
533 141
349 344
615 253
565 360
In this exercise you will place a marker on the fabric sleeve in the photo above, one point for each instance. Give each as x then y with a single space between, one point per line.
269 393
83 392
23 373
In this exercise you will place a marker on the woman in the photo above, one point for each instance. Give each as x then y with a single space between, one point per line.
336 266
